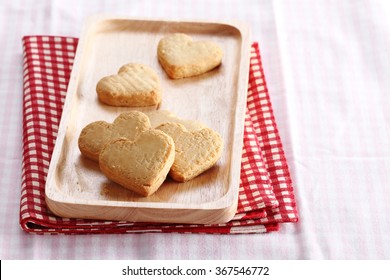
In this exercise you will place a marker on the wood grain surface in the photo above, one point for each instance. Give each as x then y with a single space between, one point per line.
75 186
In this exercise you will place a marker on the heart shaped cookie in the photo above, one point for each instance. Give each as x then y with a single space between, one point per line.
182 57
135 85
196 151
141 165
95 135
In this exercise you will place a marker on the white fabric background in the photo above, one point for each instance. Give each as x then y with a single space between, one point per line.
327 65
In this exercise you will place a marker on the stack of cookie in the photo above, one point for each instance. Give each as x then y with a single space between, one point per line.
132 153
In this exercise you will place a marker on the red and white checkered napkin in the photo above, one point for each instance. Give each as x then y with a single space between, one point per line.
266 196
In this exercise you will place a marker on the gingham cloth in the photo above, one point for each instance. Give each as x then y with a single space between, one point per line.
266 196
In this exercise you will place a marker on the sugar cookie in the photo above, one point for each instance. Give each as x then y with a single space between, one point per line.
196 151
95 135
182 57
135 85
140 165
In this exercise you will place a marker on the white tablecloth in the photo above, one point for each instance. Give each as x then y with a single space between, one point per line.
327 65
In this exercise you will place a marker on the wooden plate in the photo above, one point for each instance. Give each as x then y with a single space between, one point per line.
75 186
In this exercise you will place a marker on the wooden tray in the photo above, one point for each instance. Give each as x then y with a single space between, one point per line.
75 186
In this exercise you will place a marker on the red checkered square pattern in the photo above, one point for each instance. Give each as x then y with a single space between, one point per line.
263 120
266 196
